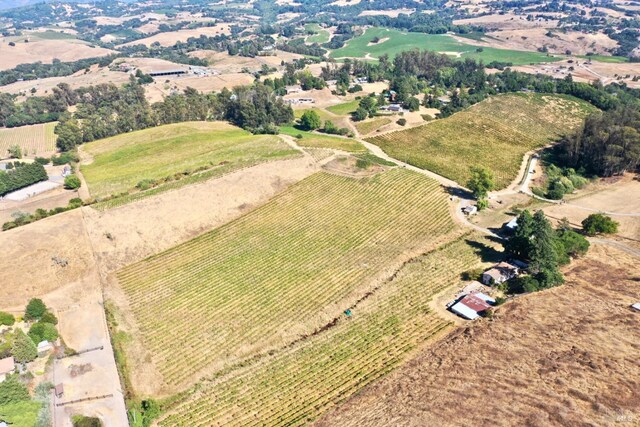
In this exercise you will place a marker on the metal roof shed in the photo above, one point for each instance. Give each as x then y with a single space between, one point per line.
462 310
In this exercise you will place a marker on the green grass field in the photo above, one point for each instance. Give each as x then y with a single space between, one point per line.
318 140
38 139
345 108
367 127
121 162
297 385
321 35
280 271
495 133
399 41
606 58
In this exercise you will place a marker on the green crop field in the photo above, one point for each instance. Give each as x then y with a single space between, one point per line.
495 133
320 34
318 140
32 139
369 126
297 385
345 108
121 162
281 271
606 58
400 41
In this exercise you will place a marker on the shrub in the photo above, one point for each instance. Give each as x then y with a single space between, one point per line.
72 182
65 158
49 317
23 349
83 421
43 332
7 319
599 223
573 244
402 122
13 391
35 309
15 151
145 184
42 160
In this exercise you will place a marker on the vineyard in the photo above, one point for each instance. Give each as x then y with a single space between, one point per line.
279 272
495 133
34 140
121 162
297 385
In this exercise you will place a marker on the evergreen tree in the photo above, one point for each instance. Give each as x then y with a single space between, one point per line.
310 120
23 349
519 245
543 255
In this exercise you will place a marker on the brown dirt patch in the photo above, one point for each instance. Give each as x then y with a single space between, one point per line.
563 357
533 38
45 51
506 21
170 38
27 265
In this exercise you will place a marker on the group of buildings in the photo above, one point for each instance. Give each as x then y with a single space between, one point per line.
473 304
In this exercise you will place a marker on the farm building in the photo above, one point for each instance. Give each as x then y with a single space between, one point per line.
470 306
636 306
512 225
294 101
44 347
59 390
470 210
293 89
7 366
500 273
176 72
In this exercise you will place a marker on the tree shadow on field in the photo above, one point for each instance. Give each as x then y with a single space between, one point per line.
458 192
485 252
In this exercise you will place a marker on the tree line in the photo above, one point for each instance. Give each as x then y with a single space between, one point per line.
22 175
106 110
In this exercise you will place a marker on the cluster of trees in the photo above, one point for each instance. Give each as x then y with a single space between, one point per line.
560 181
22 175
311 121
107 110
607 144
544 248
599 224
38 70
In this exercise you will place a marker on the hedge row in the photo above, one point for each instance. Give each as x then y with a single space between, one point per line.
22 176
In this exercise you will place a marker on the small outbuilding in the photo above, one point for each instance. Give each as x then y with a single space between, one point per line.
636 306
59 390
470 210
470 306
7 366
44 348
511 225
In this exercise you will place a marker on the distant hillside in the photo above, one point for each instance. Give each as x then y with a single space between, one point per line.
10 4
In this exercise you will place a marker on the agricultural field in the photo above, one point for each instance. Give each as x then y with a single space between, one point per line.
319 140
393 41
34 140
320 35
495 133
299 384
369 126
119 163
344 108
315 249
